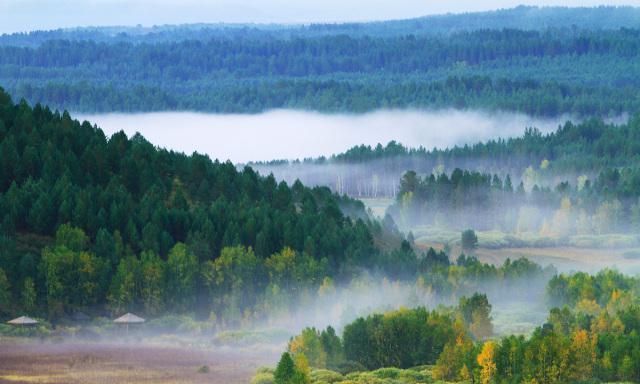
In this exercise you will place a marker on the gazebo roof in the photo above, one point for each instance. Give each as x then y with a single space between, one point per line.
22 320
129 318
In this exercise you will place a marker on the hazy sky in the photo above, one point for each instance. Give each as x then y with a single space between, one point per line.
26 15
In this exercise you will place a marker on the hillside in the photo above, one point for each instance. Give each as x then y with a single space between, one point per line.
97 223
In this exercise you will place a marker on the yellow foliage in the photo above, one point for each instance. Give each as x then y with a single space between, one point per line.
327 288
588 306
302 365
583 350
465 373
486 360
544 164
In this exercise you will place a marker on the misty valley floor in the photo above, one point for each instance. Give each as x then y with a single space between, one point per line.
68 363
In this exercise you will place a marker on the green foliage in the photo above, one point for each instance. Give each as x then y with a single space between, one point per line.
332 346
29 295
182 271
476 312
5 293
263 378
325 376
73 279
74 239
402 338
285 372
309 344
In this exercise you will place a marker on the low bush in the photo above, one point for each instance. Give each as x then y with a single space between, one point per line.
263 378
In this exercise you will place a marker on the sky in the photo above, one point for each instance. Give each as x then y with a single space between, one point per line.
28 15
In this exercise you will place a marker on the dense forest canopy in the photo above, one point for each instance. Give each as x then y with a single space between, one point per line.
587 70
115 223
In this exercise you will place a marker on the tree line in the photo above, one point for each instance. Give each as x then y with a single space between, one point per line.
572 153
521 17
607 204
479 69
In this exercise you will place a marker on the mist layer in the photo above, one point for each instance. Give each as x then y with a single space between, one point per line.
286 134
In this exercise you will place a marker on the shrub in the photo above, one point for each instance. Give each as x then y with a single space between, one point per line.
387 373
263 378
325 376
349 367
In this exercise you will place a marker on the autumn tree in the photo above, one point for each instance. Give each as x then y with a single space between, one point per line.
583 355
486 361
309 344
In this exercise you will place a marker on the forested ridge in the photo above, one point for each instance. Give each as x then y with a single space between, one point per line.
97 223
574 147
521 17
571 156
546 72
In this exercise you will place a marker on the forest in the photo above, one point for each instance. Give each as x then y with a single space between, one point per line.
590 335
507 256
592 153
608 204
588 71
111 224
107 225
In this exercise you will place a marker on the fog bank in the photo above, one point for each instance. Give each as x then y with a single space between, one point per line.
288 134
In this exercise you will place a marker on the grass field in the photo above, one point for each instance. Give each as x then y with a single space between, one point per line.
28 361
574 253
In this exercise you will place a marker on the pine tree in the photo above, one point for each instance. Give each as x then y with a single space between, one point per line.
285 371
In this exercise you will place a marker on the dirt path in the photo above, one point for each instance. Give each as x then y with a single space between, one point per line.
69 363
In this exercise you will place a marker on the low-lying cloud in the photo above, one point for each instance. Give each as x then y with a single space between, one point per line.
286 134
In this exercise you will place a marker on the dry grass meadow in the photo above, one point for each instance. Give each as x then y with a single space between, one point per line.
68 363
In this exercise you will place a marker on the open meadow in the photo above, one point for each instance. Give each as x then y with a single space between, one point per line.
77 362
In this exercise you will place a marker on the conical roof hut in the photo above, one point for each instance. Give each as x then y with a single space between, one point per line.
129 318
22 320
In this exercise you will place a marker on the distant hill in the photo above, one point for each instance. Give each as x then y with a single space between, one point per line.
522 17
538 61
